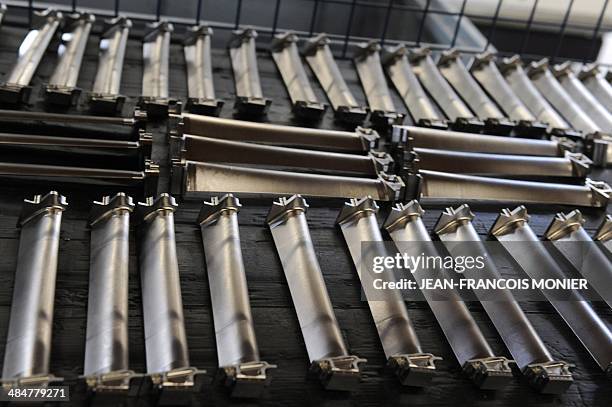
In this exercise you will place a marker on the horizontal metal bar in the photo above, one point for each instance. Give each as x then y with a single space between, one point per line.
196 178
420 137
249 95
328 354
576 246
28 342
407 84
574 165
465 187
488 371
205 149
321 61
512 226
455 229
551 89
198 60
305 103
604 233
53 118
167 353
514 73
61 88
361 140
357 220
237 350
581 95
441 91
107 346
106 91
374 83
594 79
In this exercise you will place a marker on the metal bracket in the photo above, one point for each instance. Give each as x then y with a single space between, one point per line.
61 89
407 84
550 377
372 77
306 105
105 95
321 61
249 95
16 87
200 84
604 233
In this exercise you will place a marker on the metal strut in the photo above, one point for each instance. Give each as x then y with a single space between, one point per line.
321 61
372 77
455 230
604 234
361 140
441 91
305 104
166 349
468 187
249 95
329 357
512 230
200 84
488 371
105 96
577 247
453 69
484 69
28 342
415 99
61 89
240 365
357 220
155 79
595 81
107 346
194 180
514 73
16 87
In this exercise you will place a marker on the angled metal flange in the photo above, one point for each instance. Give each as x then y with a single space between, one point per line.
205 149
372 77
239 361
582 96
305 104
16 87
198 60
155 98
604 233
322 62
576 246
106 370
361 140
512 226
419 106
487 370
329 356
105 95
468 187
572 165
594 78
28 342
484 69
514 73
454 70
557 96
455 230
419 137
61 89
413 367
451 104
168 368
249 95
194 179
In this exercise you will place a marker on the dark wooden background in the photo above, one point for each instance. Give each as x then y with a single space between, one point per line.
276 325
